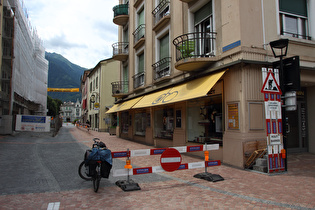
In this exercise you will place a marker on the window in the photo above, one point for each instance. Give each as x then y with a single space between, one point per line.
293 18
203 22
125 122
141 17
96 82
204 117
140 123
139 77
125 79
90 87
164 47
164 123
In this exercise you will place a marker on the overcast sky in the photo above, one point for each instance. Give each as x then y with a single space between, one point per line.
82 31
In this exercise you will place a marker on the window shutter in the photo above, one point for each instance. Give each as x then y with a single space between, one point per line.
141 17
297 7
203 13
141 63
164 47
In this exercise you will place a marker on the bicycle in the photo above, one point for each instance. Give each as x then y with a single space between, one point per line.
92 172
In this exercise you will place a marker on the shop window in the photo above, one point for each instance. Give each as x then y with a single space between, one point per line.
205 120
125 122
140 123
164 123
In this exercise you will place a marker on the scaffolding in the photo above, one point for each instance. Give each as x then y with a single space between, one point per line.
29 68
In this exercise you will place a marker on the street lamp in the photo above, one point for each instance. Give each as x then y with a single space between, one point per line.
279 49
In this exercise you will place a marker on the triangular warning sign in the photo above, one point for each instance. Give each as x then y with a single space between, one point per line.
270 85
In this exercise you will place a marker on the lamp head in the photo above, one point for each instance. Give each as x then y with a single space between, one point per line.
279 47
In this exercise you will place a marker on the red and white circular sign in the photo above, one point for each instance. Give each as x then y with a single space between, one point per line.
170 159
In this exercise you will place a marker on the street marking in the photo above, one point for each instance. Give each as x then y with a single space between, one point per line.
53 206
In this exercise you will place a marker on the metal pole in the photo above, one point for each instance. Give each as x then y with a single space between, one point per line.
284 120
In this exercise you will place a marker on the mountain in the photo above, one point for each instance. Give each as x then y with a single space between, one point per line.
63 74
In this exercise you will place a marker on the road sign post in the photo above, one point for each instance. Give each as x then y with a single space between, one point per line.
272 96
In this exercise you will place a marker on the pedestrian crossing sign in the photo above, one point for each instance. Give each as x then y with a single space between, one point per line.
271 85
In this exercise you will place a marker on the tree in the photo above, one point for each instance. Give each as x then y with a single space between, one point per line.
53 106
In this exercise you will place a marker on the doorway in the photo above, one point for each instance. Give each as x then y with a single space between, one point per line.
296 128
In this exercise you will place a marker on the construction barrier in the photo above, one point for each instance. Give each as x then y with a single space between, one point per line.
159 169
170 161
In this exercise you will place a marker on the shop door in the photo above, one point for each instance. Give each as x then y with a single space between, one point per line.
297 129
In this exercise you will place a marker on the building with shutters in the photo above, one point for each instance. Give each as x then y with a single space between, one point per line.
191 72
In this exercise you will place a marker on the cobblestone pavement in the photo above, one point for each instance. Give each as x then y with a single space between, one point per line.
180 190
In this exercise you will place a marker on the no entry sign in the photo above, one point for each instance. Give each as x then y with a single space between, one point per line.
170 159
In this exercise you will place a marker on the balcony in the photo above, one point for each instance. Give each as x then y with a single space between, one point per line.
138 80
120 51
161 15
194 51
162 69
295 35
121 14
138 35
120 89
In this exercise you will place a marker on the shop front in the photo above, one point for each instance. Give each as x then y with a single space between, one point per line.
187 114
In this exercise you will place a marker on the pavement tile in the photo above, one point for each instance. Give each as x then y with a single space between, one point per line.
240 190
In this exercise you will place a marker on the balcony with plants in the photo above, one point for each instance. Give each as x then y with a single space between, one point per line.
120 51
121 14
161 15
194 51
120 89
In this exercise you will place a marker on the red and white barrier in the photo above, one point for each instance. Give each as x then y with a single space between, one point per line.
165 160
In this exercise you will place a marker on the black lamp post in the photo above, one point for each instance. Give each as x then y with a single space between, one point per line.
279 49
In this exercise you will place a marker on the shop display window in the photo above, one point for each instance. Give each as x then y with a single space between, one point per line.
205 120
164 123
125 122
140 123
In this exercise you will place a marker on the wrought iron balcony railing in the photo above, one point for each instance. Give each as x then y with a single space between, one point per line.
139 33
120 87
301 36
121 9
162 68
195 45
120 48
161 11
138 80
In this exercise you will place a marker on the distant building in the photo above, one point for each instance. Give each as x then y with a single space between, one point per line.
24 69
70 111
99 93
84 91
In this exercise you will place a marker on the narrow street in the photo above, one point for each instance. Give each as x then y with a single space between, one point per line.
40 172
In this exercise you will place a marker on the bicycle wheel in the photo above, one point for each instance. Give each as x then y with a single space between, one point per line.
97 179
82 173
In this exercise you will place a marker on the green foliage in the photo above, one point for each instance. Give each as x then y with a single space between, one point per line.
187 48
52 107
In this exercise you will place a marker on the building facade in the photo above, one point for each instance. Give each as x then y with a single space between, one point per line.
191 72
70 111
99 93
24 69
84 91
